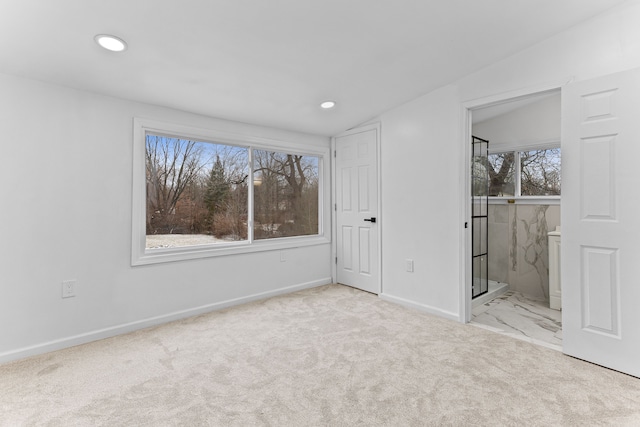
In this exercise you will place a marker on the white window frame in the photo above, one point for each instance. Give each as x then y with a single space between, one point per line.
518 199
140 255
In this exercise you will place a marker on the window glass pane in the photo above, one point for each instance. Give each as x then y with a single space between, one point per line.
540 172
479 176
196 192
285 194
501 174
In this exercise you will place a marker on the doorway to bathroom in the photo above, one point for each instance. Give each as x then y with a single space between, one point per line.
522 185
600 131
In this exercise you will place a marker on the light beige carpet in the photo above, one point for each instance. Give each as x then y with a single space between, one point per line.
325 356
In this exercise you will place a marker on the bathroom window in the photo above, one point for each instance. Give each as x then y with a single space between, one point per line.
526 173
540 172
501 174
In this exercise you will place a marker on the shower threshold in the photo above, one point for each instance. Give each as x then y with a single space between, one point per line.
495 290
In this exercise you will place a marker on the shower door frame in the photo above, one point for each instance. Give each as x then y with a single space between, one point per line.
480 202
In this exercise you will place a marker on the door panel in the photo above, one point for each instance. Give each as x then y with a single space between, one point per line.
357 203
347 244
365 250
600 217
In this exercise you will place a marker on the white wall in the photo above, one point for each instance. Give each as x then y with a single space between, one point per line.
519 253
424 159
538 122
66 214
419 168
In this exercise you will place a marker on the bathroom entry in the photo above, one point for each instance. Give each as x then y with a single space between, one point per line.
600 295
515 187
523 170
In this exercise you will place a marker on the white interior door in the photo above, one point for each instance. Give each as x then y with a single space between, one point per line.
357 222
601 221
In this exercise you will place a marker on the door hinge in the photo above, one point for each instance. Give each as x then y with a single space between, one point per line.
336 260
335 153
335 207
466 225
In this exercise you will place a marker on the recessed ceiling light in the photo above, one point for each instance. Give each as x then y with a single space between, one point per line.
112 43
328 104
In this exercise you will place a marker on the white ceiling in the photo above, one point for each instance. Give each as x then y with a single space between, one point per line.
271 62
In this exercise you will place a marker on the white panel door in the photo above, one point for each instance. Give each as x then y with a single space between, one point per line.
601 221
357 209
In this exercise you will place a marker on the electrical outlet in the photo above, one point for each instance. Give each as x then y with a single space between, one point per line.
68 288
409 263
283 256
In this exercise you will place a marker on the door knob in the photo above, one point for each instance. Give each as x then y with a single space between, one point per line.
372 219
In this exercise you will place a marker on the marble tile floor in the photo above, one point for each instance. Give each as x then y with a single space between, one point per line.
521 317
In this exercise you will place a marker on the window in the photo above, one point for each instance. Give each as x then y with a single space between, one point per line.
501 174
196 192
285 194
525 173
204 193
540 172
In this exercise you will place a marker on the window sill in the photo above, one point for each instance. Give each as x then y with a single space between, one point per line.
162 255
525 200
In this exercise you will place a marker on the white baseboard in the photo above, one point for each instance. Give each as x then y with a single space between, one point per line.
99 334
422 307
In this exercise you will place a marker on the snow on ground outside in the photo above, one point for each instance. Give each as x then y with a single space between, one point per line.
179 240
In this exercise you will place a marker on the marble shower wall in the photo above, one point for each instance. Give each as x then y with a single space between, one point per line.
519 246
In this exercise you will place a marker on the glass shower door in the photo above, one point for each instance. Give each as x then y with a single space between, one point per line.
479 216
